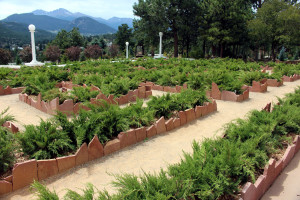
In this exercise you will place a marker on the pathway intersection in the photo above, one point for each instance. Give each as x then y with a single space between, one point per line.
150 155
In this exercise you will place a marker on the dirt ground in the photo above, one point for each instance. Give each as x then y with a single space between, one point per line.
287 184
148 156
24 113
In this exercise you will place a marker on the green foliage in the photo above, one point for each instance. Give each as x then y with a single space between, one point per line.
83 94
248 77
88 194
7 143
123 35
168 105
43 193
44 141
218 167
287 70
106 122
120 77
163 106
225 80
5 117
196 81
51 94
275 24
282 56
62 40
296 55
38 84
138 115
119 86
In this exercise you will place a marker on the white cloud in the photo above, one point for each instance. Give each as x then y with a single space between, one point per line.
96 8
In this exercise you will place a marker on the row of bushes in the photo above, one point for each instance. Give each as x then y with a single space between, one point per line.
119 77
61 136
217 168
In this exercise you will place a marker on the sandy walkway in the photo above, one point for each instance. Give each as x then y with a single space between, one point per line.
157 152
23 113
287 184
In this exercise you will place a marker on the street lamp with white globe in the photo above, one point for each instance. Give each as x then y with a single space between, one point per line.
34 62
127 44
160 44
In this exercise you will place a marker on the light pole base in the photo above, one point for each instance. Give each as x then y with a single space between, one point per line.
34 63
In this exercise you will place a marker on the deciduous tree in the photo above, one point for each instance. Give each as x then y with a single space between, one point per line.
52 53
26 54
73 53
93 51
5 56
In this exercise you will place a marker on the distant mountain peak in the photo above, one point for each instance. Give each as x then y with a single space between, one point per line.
61 11
39 12
67 17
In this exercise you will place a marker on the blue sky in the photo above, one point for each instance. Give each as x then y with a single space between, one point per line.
96 8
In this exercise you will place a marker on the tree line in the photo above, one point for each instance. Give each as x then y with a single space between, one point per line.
66 46
200 28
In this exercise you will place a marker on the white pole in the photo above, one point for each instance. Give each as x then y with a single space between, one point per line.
127 44
32 29
160 44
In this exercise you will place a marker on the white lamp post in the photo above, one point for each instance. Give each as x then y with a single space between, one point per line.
31 28
160 44
127 44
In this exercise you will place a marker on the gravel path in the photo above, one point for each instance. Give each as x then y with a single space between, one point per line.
151 155
287 184
24 113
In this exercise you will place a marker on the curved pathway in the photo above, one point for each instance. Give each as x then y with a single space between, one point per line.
158 152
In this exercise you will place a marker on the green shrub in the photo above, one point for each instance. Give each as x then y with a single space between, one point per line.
162 106
83 94
137 115
88 194
43 193
44 141
7 143
196 81
106 122
5 117
39 83
225 80
55 92
167 105
248 77
6 151
217 168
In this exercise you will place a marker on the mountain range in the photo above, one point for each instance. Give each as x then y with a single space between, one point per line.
61 18
86 25
12 33
64 14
